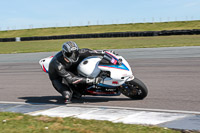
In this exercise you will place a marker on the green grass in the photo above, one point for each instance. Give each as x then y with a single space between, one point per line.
19 123
102 29
101 43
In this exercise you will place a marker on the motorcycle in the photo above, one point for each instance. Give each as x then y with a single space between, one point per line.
117 78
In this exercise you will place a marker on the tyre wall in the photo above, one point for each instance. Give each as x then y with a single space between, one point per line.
106 35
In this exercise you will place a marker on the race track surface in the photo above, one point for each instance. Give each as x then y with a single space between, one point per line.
172 76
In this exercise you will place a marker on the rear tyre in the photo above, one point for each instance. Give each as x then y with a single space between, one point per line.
135 89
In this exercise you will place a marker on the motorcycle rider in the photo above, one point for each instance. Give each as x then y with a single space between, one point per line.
62 69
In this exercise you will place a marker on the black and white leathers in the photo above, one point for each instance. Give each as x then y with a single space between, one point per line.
64 74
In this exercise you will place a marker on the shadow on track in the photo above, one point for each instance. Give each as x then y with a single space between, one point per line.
60 100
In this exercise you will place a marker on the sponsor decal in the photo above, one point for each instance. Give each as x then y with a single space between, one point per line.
100 93
115 82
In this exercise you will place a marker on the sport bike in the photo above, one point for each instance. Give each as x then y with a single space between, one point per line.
116 79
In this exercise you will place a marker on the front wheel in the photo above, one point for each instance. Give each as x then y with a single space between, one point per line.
134 89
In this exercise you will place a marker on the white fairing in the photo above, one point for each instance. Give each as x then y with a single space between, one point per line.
119 74
89 67
44 63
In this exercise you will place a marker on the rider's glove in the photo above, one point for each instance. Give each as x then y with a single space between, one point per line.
94 80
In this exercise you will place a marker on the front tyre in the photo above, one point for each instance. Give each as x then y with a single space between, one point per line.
134 89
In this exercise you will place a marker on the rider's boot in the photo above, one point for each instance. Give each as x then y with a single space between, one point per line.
67 96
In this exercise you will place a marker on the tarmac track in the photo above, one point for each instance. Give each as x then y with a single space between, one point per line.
172 76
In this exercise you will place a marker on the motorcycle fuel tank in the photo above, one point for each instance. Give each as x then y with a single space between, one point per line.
89 67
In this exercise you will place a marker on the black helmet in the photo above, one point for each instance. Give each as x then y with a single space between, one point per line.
70 51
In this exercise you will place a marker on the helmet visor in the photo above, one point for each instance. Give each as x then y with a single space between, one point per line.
73 56
67 54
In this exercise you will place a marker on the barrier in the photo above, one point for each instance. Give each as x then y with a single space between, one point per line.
106 35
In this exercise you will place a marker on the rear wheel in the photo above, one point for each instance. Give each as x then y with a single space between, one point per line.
135 89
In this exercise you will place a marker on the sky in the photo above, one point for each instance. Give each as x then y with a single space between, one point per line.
24 14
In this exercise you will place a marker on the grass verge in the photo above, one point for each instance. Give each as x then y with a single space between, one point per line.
19 123
101 43
179 25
